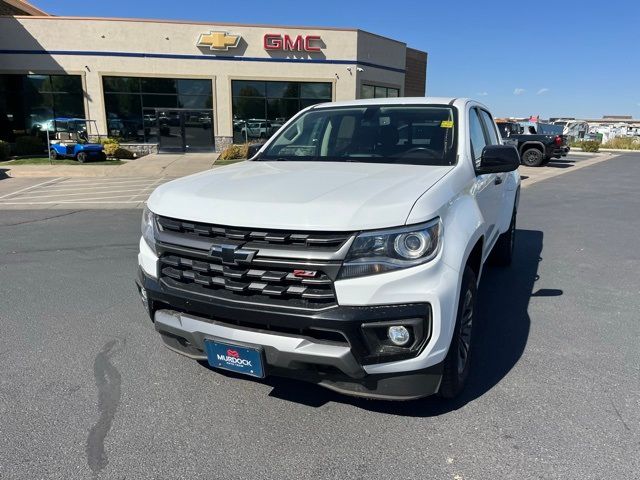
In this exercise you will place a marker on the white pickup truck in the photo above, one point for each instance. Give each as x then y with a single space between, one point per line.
346 252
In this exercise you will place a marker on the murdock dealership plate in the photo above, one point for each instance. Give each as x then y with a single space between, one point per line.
236 358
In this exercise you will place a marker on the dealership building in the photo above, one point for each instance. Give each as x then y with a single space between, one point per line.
185 86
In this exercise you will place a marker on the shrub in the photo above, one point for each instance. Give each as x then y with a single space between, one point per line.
28 145
588 145
623 143
234 152
4 150
120 152
110 148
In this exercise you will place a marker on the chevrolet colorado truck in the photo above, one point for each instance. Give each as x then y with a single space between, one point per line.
346 252
537 144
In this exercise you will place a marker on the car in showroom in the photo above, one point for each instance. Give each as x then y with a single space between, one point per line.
347 252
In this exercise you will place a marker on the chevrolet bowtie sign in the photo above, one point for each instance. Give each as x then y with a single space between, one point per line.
220 41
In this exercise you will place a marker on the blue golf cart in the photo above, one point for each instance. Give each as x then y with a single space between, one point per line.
72 140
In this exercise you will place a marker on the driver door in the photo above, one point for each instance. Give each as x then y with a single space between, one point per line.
488 187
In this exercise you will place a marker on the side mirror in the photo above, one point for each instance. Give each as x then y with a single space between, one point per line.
498 159
253 149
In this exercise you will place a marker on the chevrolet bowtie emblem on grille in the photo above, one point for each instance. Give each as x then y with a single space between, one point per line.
221 41
232 254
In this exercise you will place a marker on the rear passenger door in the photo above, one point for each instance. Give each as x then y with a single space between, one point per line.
488 186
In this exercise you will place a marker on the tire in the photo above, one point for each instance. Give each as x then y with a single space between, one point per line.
458 359
502 253
82 157
102 157
532 157
54 154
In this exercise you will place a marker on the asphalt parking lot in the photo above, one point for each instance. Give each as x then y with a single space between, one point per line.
87 390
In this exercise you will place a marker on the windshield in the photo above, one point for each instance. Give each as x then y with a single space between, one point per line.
417 135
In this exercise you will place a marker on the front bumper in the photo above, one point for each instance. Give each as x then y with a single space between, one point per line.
326 347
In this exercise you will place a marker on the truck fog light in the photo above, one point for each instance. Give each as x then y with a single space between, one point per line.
398 335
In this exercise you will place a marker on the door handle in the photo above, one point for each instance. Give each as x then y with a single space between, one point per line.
497 181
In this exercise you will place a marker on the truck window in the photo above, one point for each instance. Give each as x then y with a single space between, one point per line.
490 127
476 133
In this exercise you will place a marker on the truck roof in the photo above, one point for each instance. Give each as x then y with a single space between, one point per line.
454 101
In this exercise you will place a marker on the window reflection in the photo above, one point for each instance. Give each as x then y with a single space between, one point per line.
260 108
375 91
131 104
29 103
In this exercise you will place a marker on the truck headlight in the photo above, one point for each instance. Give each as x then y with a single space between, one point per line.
148 227
387 250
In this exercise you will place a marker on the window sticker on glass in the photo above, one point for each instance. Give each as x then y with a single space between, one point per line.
446 124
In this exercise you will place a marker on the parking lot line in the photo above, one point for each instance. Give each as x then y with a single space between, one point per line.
46 195
31 187
71 202
62 187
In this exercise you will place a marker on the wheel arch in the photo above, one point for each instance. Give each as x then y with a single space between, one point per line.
532 144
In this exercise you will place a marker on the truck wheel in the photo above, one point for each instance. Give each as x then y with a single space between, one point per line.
457 361
81 157
532 157
502 253
54 154
102 157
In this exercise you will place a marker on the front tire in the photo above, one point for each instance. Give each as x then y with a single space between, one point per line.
53 154
532 157
82 157
458 359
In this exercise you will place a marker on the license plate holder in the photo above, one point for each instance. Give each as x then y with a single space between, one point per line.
248 360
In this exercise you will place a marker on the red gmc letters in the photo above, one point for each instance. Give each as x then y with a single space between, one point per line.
298 43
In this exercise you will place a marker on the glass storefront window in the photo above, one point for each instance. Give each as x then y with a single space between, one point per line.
374 91
29 103
159 101
194 87
121 84
244 88
195 101
315 90
367 91
282 90
131 104
261 107
158 85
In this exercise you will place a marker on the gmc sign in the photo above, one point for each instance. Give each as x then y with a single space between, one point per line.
299 43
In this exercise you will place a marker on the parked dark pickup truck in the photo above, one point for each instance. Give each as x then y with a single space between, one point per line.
536 144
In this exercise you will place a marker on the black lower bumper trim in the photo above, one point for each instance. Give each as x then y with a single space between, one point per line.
332 324
396 386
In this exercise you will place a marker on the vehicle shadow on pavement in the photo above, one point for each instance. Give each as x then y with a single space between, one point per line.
561 163
503 330
3 173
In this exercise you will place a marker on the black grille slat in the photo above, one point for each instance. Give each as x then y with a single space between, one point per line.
329 241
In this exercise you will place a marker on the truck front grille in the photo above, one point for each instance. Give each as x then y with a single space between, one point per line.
292 269
322 240
249 281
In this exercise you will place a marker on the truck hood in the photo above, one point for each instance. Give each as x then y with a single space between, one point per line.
330 196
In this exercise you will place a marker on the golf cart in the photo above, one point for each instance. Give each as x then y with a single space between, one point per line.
72 140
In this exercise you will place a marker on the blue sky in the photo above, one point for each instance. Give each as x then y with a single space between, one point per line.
557 58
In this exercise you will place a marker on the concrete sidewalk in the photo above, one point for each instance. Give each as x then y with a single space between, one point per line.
154 165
